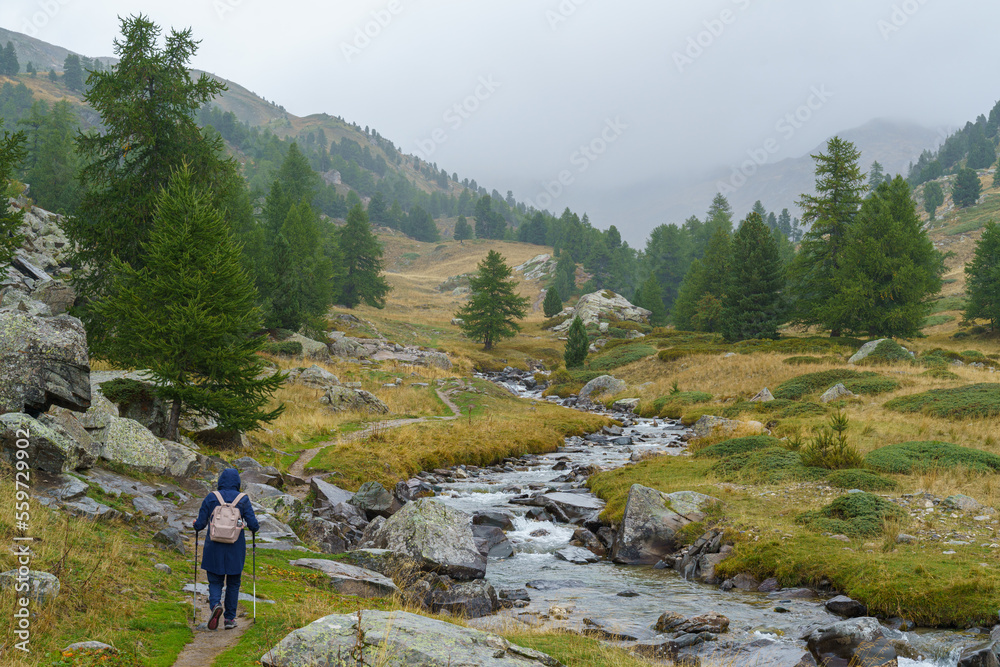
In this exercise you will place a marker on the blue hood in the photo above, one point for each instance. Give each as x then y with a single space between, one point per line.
229 479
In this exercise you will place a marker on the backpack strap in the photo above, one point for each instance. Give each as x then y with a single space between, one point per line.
219 496
237 499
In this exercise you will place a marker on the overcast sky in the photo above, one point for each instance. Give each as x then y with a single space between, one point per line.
659 90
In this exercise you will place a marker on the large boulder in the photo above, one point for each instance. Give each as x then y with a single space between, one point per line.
43 587
134 396
651 521
43 362
603 305
440 537
440 593
59 296
345 398
49 447
311 349
835 393
373 499
345 347
350 580
710 426
326 494
398 639
131 444
605 384
315 377
857 641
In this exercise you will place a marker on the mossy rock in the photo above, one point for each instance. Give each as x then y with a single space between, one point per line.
739 446
860 479
887 351
859 382
854 515
976 401
915 457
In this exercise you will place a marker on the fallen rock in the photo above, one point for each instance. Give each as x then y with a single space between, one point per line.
836 392
315 377
605 384
171 537
373 499
962 503
491 542
326 494
350 580
856 641
576 506
577 555
763 396
312 349
272 530
49 448
625 405
328 536
591 308
402 639
130 443
845 606
440 593
984 655
649 524
343 398
43 362
712 622
43 587
710 425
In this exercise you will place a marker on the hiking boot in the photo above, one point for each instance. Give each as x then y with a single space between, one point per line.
213 622
230 624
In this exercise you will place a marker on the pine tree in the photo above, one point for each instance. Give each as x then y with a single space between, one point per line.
463 230
30 69
967 188
53 162
688 295
73 73
565 280
785 224
933 197
577 344
422 227
12 153
303 274
839 190
189 315
649 298
378 209
875 176
699 300
493 308
363 279
489 223
752 305
890 268
553 303
759 209
983 279
996 175
9 64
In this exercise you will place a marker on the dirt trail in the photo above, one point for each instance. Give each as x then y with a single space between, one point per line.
207 645
299 467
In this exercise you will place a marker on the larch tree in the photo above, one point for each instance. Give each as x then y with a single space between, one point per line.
752 303
494 306
553 303
463 230
363 281
966 189
12 152
933 197
189 315
577 344
983 279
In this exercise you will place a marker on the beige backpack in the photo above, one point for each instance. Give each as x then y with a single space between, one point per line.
226 524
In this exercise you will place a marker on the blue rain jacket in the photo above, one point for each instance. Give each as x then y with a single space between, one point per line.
219 558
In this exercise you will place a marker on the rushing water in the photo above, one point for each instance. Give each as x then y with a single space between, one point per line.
591 591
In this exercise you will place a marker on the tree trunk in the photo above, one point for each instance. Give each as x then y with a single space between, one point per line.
175 417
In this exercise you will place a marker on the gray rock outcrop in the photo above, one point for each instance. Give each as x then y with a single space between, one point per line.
605 384
650 522
130 443
343 398
591 308
49 448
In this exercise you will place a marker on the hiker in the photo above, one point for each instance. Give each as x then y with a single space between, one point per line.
222 562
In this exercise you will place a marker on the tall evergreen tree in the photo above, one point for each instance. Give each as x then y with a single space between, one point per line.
700 298
785 223
577 344
688 295
983 279
421 226
12 152
890 268
758 208
363 279
53 162
996 175
189 315
303 278
875 176
489 223
565 280
73 75
9 64
752 305
933 197
553 303
463 230
378 209
967 188
494 307
839 190
147 103
649 298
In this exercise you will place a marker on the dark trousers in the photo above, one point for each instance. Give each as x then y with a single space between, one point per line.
232 584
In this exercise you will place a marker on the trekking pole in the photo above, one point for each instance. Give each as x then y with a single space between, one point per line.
254 577
194 595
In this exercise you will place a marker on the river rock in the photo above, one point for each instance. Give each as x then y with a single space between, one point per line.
712 622
404 639
576 506
984 655
502 520
326 494
625 405
43 587
350 580
649 524
710 426
856 641
586 539
491 542
577 555
49 449
437 535
130 443
614 630
343 398
373 499
43 362
836 392
845 606
440 593
599 386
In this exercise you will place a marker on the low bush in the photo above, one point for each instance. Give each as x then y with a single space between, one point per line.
976 401
887 352
125 391
859 382
810 345
620 355
779 408
860 479
940 374
675 353
936 320
854 515
673 405
283 348
830 448
806 361
773 465
563 390
553 322
739 446
915 457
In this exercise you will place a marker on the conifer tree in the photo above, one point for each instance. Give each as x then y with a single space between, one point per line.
688 295
422 227
933 197
565 280
189 315
983 279
363 279
752 301
577 344
12 152
699 299
463 230
553 303
9 64
876 174
53 162
996 175
839 190
303 273
890 268
967 188
649 298
494 307
73 75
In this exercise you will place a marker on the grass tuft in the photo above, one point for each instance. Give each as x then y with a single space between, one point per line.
977 401
854 515
917 457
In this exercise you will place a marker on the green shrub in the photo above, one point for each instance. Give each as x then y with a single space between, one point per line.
936 320
860 479
830 448
860 382
620 355
854 515
124 391
563 390
804 361
915 457
553 322
973 356
887 352
283 348
801 409
773 465
976 401
560 376
734 446
940 374
813 344
673 405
